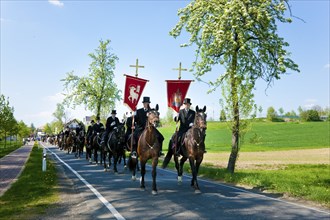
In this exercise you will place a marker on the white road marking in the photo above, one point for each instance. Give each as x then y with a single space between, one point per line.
98 195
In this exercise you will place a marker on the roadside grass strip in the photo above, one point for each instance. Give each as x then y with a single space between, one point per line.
33 192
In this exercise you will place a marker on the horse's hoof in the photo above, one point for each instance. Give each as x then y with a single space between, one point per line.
179 179
142 188
154 192
105 170
116 173
133 178
197 191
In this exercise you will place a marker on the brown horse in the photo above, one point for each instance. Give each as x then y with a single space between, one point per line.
148 148
69 142
192 148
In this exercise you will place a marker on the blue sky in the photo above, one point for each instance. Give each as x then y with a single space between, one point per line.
42 40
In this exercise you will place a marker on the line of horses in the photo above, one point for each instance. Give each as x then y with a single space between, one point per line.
147 148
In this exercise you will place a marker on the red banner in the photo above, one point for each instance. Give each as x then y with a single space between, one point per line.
133 89
176 93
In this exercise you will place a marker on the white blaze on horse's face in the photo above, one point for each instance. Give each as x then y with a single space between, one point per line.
153 117
201 122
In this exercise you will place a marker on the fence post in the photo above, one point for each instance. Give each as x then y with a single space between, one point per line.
44 155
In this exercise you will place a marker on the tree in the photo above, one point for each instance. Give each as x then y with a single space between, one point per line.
97 92
281 111
242 36
61 116
7 119
310 115
33 129
48 129
271 114
222 115
23 129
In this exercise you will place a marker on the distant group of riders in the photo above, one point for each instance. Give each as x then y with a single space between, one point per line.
117 137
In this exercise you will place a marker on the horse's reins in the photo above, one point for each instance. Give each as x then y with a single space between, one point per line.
199 133
150 125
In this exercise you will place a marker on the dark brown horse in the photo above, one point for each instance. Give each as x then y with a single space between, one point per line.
148 148
115 147
96 146
80 143
192 148
69 142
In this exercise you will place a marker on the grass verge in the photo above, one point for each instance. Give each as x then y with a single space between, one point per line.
10 147
308 182
33 192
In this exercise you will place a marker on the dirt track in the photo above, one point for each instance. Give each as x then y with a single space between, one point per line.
271 159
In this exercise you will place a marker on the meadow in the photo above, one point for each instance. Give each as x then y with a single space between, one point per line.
264 136
287 158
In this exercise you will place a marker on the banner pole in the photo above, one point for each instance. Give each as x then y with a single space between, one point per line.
132 136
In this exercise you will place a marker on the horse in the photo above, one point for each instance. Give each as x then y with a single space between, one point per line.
69 142
80 143
148 148
192 148
114 147
96 145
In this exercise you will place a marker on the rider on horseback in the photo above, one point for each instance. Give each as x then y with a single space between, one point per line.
90 133
98 127
186 116
111 124
66 133
141 122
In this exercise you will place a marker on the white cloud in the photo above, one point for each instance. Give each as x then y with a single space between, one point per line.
57 3
57 98
327 66
309 103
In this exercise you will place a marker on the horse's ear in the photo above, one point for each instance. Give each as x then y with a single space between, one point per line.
197 109
157 107
204 109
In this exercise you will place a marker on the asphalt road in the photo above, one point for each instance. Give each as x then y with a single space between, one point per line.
105 195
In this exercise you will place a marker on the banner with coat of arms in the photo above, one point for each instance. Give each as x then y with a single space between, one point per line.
176 93
133 89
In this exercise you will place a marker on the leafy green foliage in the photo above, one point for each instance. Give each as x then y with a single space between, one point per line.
97 91
242 36
310 115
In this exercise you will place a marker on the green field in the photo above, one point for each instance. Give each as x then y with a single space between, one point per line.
264 136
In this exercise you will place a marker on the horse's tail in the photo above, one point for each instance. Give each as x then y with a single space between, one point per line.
168 155
132 163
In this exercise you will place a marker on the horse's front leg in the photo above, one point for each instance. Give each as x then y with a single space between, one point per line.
180 170
124 158
115 161
154 175
104 158
193 168
143 172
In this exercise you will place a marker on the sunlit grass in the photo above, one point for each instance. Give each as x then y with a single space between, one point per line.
264 136
33 192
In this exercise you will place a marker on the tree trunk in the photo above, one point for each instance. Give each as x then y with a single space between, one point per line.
235 108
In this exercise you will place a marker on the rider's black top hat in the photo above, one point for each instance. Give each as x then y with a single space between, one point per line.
146 99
